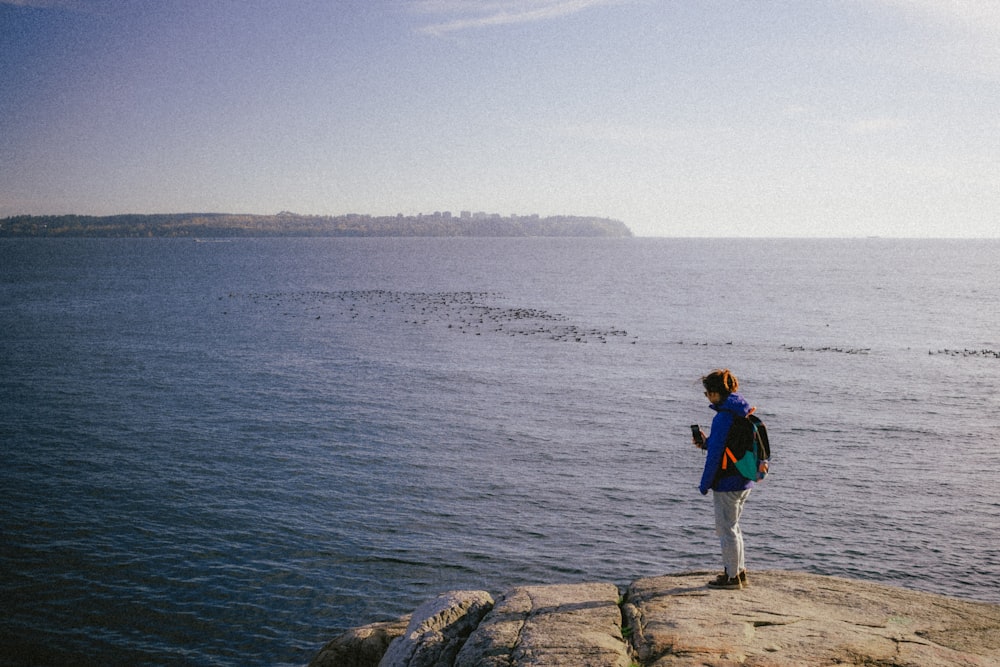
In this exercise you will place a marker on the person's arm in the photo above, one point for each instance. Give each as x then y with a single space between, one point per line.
715 445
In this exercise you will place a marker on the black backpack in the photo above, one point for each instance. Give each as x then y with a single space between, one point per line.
747 451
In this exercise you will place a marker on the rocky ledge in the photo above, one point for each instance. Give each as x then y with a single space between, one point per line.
782 618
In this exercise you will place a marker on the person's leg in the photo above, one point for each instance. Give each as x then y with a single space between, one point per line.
728 508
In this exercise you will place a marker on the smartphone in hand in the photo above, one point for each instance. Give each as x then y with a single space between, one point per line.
697 435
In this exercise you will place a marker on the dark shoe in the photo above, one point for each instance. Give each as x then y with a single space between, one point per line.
728 583
743 578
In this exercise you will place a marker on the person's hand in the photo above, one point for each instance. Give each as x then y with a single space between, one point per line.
699 445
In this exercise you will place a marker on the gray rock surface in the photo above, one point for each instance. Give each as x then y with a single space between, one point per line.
438 629
570 625
361 647
787 618
782 618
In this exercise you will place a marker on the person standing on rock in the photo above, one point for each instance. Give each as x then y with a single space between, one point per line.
730 489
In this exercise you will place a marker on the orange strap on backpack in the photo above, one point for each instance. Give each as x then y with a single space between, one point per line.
728 454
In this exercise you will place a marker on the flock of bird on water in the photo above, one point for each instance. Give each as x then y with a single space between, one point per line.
461 312
477 313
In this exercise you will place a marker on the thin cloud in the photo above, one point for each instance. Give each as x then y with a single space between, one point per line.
45 4
74 6
878 125
811 116
458 15
638 135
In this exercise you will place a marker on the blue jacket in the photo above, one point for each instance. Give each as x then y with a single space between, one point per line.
716 444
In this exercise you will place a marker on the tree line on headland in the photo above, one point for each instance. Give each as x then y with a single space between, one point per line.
227 225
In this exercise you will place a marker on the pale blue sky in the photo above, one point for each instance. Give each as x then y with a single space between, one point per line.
686 118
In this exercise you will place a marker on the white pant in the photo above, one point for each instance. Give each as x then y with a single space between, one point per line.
728 508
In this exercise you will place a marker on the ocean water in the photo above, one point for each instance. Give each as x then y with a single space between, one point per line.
225 453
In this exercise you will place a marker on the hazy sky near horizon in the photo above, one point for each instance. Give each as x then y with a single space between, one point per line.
680 118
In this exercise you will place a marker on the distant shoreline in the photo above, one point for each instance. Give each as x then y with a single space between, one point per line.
229 225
